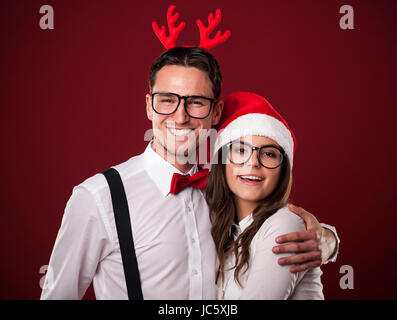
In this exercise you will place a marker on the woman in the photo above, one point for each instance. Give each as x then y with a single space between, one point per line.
247 194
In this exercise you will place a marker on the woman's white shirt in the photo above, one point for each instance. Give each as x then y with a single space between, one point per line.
265 279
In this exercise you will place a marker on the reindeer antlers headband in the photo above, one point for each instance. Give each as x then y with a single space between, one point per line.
205 41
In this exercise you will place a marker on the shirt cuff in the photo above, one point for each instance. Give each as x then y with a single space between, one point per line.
332 258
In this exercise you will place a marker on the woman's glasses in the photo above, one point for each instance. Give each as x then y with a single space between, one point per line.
269 156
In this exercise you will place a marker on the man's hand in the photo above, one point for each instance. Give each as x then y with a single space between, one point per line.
312 247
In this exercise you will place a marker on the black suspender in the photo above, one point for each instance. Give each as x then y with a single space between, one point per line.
124 232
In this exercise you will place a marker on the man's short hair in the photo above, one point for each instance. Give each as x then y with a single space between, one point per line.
189 57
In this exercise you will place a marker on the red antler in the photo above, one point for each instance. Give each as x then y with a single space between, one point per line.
170 41
205 41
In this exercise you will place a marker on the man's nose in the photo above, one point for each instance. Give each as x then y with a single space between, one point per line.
180 114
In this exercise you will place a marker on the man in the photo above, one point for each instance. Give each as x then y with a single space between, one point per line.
174 248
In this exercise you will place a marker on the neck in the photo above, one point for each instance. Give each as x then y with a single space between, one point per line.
244 208
178 162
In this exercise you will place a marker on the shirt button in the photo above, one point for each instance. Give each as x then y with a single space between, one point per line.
194 272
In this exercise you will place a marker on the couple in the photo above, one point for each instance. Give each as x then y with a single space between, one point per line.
185 248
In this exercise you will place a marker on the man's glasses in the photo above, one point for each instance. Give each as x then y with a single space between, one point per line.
269 156
167 103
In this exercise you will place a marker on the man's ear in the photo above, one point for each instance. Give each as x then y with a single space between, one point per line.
149 110
217 113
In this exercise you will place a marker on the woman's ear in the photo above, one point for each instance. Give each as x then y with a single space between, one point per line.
217 113
149 110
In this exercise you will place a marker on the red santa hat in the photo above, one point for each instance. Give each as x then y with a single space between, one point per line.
246 114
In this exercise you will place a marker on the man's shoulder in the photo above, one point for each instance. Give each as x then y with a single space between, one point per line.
96 183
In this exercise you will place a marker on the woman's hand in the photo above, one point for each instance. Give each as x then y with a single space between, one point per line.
313 247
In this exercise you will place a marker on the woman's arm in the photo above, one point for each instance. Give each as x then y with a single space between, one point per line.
316 245
266 278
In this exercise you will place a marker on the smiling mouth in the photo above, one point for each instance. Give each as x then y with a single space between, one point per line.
180 132
251 178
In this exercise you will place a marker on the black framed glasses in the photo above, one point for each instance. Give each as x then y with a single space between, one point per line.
269 156
166 103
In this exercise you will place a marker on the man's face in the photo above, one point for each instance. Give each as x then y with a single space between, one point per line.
179 134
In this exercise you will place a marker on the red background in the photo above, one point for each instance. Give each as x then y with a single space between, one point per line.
73 103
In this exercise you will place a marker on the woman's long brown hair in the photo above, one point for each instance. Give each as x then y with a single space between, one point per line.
223 214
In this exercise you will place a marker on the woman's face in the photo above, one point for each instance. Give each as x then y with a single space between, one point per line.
251 181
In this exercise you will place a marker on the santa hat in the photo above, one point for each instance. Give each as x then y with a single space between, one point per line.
246 114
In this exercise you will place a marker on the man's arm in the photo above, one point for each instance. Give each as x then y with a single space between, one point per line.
313 247
81 243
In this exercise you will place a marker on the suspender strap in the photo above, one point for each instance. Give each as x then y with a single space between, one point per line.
124 232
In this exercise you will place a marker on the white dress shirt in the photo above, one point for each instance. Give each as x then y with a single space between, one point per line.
174 247
265 279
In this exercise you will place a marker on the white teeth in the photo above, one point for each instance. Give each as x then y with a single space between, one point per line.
180 132
251 178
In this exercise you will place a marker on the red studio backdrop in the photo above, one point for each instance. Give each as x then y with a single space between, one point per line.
72 103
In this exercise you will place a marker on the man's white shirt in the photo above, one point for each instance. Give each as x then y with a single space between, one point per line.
174 247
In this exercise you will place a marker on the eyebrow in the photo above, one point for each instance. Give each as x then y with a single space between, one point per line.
187 95
268 145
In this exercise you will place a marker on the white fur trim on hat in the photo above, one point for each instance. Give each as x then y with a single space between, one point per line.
258 124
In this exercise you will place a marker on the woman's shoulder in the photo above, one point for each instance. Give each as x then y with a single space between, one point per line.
281 222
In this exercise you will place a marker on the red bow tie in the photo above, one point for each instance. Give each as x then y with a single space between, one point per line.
198 180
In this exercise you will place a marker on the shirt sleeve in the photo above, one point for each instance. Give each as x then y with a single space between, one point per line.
82 242
268 280
332 258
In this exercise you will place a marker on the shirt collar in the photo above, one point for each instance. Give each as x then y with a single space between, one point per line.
160 170
238 228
